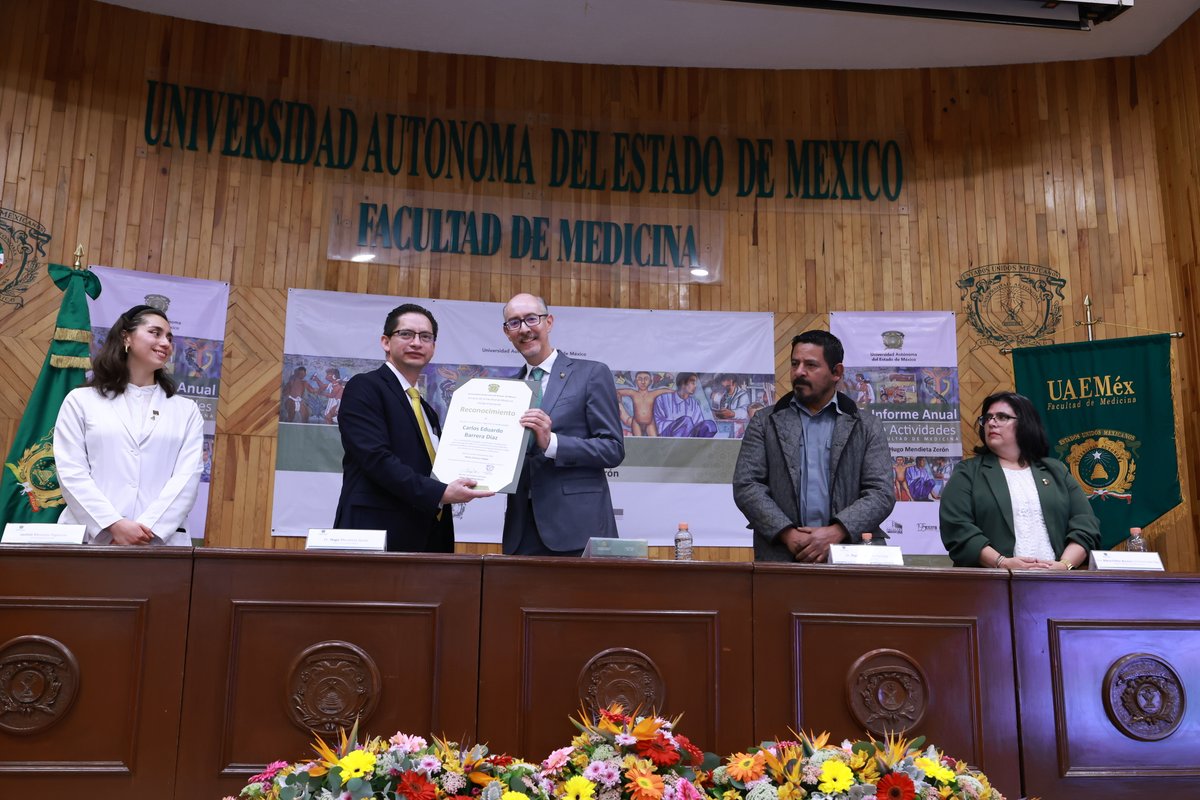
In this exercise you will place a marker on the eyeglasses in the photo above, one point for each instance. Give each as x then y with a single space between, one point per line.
407 336
530 320
1000 419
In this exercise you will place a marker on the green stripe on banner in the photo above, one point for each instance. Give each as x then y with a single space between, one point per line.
318 448
309 448
1107 410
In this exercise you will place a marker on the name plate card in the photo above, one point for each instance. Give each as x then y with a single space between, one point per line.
42 533
345 539
1118 559
866 554
602 547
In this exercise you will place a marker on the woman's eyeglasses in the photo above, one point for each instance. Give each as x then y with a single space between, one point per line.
999 418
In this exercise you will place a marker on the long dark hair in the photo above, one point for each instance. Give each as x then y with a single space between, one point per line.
1031 436
110 367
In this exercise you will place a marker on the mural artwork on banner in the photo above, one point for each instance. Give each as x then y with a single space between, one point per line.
196 310
687 383
903 367
1107 410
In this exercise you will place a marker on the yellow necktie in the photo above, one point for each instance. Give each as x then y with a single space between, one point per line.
414 397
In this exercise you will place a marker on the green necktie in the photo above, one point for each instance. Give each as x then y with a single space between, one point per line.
536 374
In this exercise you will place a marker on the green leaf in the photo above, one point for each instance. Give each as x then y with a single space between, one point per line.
865 748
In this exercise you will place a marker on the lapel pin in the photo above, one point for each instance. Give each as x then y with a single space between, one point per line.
1045 481
562 375
154 413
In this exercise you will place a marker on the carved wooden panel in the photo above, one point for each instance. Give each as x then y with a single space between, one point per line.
91 669
300 642
564 634
1109 670
869 650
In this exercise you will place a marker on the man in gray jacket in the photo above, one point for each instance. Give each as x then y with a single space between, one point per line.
814 469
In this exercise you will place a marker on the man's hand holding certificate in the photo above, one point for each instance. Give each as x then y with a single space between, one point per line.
483 438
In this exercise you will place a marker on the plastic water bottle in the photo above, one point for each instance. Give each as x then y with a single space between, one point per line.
1135 544
683 543
868 538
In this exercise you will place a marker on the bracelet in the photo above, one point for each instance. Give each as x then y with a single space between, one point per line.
1000 559
1067 564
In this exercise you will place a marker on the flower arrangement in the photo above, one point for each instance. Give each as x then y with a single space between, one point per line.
892 769
403 766
623 756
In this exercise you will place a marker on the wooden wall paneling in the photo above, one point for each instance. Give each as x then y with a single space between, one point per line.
835 651
404 630
1078 696
558 633
108 665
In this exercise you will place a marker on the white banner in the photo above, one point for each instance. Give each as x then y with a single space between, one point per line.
196 309
678 462
903 367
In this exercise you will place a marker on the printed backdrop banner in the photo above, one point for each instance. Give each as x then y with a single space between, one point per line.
1108 415
196 309
903 367
681 442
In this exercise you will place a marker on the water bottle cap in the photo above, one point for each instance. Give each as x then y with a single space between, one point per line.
866 537
683 526
1135 531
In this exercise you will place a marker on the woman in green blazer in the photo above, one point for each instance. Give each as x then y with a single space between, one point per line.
1012 506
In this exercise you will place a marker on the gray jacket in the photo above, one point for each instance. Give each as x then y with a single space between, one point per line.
767 473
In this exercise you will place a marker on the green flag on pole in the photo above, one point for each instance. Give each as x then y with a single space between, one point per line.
29 490
1107 410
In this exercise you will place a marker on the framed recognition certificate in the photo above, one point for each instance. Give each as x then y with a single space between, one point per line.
482 437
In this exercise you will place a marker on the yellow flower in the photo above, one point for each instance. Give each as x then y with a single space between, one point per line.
790 791
934 770
578 788
356 764
731 794
580 758
514 796
835 777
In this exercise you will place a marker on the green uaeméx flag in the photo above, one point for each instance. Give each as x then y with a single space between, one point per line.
29 490
1108 415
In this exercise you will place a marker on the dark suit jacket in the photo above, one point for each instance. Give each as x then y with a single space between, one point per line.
385 469
976 509
771 461
571 500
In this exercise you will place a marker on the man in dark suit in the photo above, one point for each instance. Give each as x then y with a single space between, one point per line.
390 434
562 497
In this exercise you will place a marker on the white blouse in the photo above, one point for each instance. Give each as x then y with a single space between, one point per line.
135 456
1033 540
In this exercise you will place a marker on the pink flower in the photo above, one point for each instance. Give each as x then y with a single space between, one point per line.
558 759
269 773
625 739
687 791
408 744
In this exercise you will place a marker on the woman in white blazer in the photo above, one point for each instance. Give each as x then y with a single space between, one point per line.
127 448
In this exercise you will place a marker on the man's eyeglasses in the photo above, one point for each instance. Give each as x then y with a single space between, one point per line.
407 336
529 320
1000 419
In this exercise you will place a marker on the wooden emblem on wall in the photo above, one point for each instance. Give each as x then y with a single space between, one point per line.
330 685
1144 697
39 678
887 692
624 676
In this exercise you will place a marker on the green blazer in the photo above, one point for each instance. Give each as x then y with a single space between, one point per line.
976 509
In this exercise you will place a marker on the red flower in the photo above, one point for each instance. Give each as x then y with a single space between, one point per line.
414 786
659 751
694 753
895 786
500 760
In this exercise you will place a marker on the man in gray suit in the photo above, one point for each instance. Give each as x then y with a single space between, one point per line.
815 469
562 497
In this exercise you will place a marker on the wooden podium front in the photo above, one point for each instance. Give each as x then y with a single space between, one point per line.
177 673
